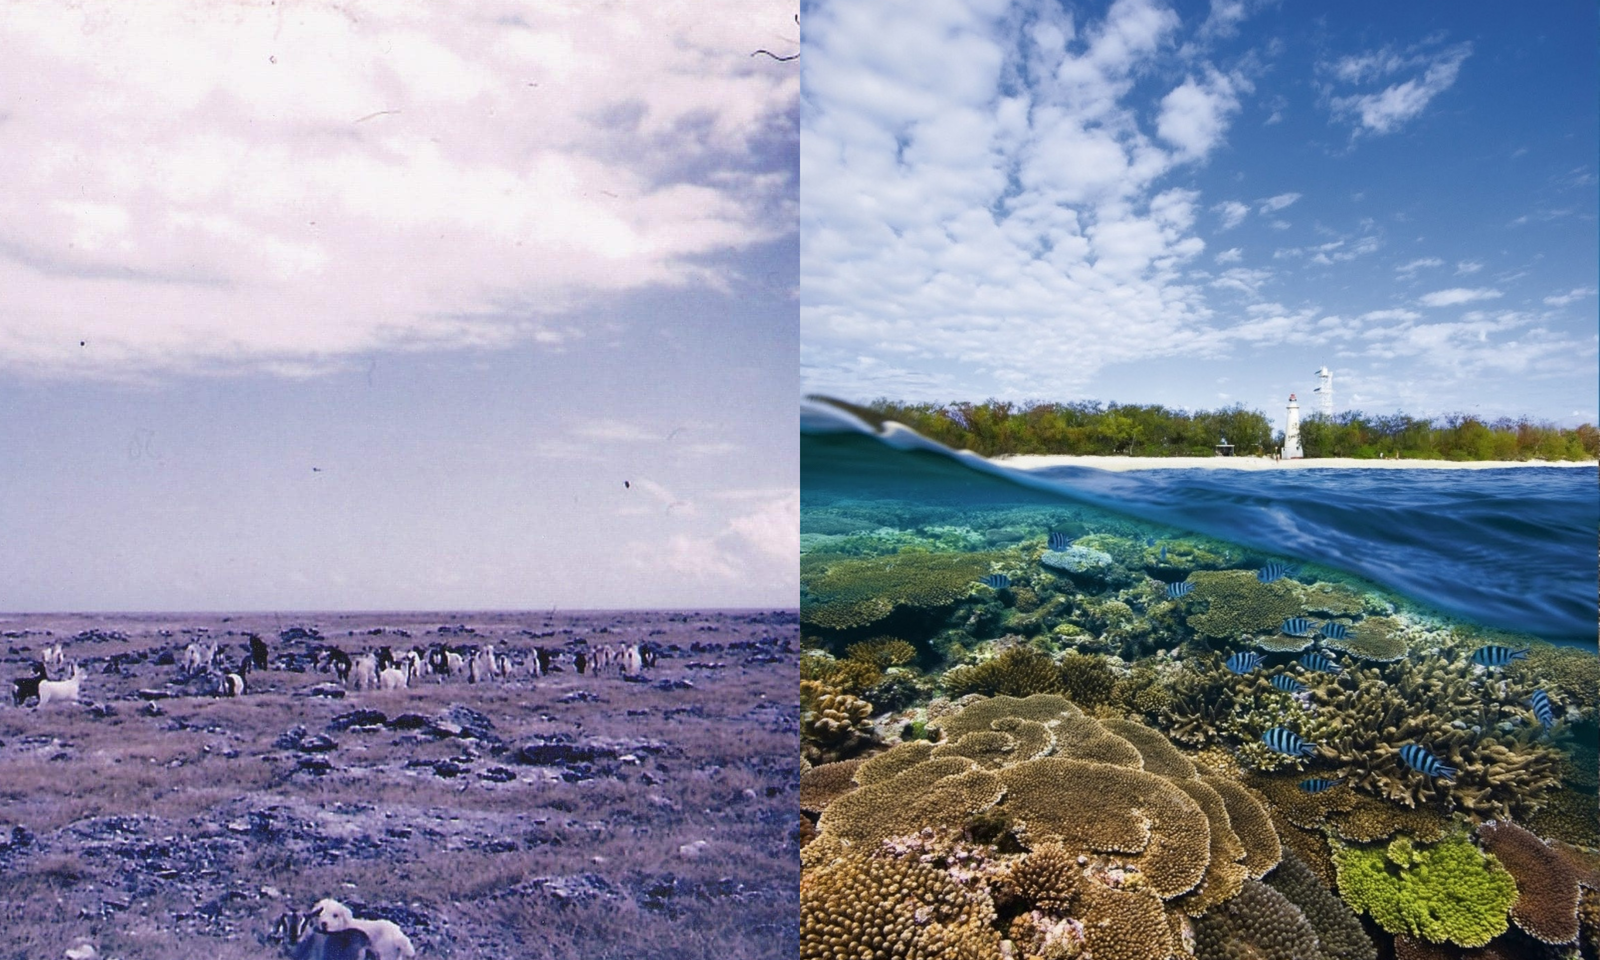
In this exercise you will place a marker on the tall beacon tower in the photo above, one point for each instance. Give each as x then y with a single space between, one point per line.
1324 392
1291 432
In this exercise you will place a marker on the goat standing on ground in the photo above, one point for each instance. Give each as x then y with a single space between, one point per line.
53 658
364 675
388 941
23 688
232 685
61 689
258 652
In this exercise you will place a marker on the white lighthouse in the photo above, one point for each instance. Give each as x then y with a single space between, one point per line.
1291 432
1324 392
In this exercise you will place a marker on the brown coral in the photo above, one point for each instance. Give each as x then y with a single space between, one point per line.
1251 823
1158 753
878 908
1048 878
1547 883
1111 809
882 652
1374 638
978 715
825 783
1225 873
1239 603
1259 924
942 792
1018 672
854 592
1340 935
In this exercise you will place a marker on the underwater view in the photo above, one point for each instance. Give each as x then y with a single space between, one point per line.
1170 714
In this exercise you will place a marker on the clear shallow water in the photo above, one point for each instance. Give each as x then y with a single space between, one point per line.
1513 549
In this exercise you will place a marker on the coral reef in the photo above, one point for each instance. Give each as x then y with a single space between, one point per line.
1018 672
882 652
825 783
849 593
1332 600
1340 935
882 907
1569 816
1374 638
1445 892
1082 564
1251 824
1238 603
1547 882
833 725
1259 924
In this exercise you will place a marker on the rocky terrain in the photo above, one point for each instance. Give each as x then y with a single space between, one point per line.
560 816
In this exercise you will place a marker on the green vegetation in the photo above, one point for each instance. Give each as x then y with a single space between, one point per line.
1458 437
1091 428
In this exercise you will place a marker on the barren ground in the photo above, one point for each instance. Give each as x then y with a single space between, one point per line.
187 829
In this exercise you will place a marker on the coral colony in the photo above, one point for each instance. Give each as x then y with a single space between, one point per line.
1036 734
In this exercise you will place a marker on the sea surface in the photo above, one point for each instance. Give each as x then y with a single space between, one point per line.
1514 549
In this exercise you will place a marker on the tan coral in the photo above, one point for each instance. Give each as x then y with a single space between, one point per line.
1239 603
1251 823
989 749
1125 925
894 761
1158 753
1111 809
825 783
1374 638
942 792
878 908
979 714
1225 873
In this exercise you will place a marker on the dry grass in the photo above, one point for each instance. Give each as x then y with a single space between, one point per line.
187 833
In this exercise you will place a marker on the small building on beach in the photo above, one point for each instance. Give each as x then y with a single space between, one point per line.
1291 432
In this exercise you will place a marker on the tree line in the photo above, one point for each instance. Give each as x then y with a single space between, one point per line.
1093 428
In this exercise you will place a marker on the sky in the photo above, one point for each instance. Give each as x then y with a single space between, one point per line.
1202 204
316 306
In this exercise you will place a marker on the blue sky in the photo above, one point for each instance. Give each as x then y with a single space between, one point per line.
307 310
1201 204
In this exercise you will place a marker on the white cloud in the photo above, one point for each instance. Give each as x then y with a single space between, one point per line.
1372 316
1279 202
1468 267
1194 116
1232 212
1231 255
1564 299
1390 108
1415 265
1456 296
205 187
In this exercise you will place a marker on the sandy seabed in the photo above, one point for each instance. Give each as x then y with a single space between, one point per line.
1122 464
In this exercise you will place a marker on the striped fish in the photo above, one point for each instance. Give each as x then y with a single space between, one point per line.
1243 662
1286 741
1272 571
998 581
1334 631
1177 591
1287 683
1497 656
1319 784
1540 702
1297 626
1419 759
1151 541
1058 540
1163 553
1321 663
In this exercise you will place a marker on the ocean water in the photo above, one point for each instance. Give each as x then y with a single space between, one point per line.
1343 659
1514 549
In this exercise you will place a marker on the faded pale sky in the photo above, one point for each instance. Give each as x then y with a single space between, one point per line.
1198 203
324 305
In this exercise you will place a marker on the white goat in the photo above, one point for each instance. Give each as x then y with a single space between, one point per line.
198 656
305 942
388 941
632 660
232 685
395 678
54 659
364 672
61 689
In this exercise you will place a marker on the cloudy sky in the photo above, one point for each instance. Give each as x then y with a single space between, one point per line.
309 305
1199 204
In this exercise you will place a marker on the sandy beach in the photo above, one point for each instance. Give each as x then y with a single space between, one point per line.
1122 464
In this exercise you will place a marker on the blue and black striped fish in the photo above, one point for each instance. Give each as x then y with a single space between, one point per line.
1286 741
1319 784
1297 626
998 581
1540 702
1497 656
1419 759
1272 571
1150 542
1334 631
1163 553
1287 683
1058 540
1321 663
1179 590
1243 662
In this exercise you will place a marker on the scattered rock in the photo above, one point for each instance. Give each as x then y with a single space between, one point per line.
581 696
332 690
358 718
316 765
318 744
497 775
674 685
153 694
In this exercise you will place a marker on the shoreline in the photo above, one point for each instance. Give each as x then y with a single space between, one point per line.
1034 461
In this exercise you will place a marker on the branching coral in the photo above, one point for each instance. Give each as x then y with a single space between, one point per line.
833 725
1018 672
1446 892
1547 882
883 652
1238 603
1340 935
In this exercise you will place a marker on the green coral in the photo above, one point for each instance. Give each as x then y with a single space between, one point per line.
845 593
1448 892
1375 638
1332 600
1239 603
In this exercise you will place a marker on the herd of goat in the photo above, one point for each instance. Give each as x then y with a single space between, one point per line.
54 679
